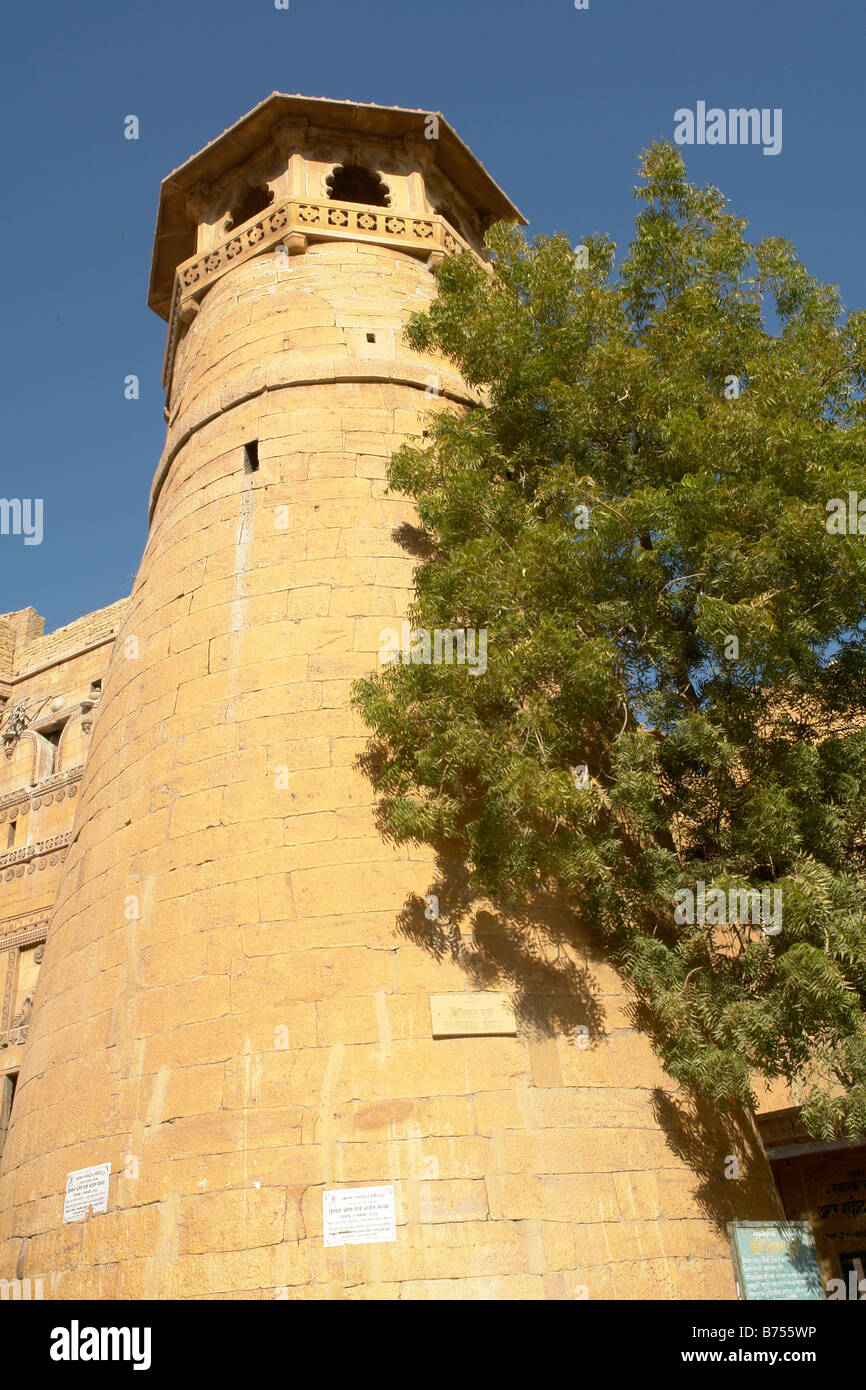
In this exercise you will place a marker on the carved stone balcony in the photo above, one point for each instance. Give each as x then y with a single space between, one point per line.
294 223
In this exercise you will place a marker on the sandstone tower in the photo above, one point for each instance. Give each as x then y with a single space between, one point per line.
231 1011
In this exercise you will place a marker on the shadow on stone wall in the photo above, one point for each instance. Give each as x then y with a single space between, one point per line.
549 962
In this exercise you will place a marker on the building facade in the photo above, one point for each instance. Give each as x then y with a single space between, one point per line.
50 687
244 1003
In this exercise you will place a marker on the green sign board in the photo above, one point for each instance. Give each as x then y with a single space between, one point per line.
775 1260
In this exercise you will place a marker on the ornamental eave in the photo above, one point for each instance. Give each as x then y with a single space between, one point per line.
174 235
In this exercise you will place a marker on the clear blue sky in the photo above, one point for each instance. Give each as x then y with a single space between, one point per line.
557 103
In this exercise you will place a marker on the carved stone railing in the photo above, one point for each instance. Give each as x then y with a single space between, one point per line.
53 788
294 223
13 864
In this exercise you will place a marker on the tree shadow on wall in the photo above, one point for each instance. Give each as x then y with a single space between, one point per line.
529 952
546 958
413 540
691 1127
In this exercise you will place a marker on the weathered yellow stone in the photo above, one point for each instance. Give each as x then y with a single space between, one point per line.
233 1220
267 1268
585 1197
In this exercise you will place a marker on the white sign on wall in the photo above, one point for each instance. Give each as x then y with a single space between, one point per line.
358 1216
86 1190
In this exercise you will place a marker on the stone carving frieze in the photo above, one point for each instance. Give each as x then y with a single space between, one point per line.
38 855
23 930
54 788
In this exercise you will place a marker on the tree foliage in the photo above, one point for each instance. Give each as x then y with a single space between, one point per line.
740 764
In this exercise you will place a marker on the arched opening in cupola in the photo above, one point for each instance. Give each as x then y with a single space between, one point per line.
352 183
249 204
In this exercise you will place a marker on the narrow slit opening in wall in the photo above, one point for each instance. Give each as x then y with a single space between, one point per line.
52 735
10 839
7 1096
251 456
371 337
96 687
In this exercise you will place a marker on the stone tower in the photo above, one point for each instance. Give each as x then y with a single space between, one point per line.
232 1012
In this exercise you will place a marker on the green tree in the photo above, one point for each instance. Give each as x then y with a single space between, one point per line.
638 516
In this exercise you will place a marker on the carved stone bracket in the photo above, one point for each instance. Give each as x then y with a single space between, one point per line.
15 725
87 707
289 135
198 200
295 243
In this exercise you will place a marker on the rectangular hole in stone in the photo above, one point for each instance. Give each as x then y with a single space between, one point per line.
7 1096
251 456
371 337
